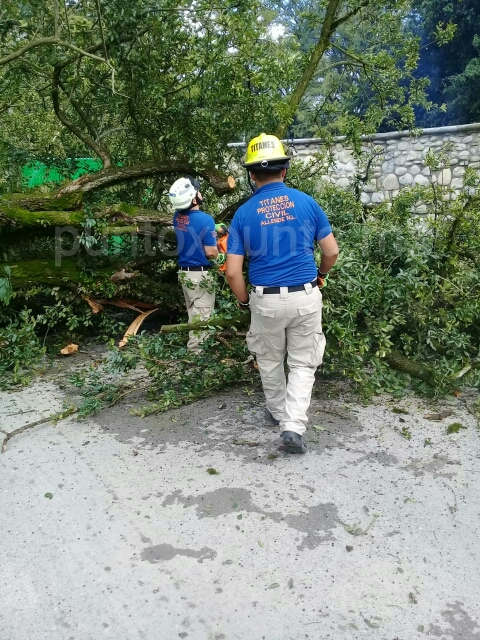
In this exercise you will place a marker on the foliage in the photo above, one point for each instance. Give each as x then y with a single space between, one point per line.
366 81
151 81
175 376
407 284
142 82
129 82
5 285
20 350
402 283
451 63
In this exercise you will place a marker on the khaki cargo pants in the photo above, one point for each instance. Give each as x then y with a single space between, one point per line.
198 289
287 324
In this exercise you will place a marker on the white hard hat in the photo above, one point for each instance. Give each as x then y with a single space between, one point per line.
182 192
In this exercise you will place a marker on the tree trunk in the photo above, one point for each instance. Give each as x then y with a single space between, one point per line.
401 363
120 282
322 45
38 209
46 272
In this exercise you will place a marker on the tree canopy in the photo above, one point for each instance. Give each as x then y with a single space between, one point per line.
452 66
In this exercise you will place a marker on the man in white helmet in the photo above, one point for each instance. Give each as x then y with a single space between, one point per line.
197 243
277 230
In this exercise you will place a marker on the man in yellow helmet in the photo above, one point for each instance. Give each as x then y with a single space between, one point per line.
277 230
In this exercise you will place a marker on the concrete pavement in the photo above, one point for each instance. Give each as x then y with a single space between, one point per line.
115 527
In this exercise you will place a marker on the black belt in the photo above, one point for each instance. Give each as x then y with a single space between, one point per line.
300 287
198 268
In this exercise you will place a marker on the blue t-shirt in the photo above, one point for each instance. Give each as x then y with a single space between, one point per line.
276 229
194 229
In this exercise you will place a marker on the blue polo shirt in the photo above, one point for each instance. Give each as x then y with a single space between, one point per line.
194 229
277 229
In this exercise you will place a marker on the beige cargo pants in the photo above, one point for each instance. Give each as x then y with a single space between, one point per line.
198 289
287 324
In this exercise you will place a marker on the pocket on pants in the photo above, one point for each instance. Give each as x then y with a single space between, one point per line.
256 343
318 349
266 312
202 310
313 307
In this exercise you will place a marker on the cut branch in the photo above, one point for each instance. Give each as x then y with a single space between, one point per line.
111 176
401 363
53 418
239 320
228 212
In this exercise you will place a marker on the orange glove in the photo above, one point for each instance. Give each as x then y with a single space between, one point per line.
322 279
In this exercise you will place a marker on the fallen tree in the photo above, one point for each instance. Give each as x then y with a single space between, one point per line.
121 89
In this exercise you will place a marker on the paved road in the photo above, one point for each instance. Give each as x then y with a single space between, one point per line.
139 540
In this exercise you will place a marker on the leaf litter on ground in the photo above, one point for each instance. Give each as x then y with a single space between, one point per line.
356 529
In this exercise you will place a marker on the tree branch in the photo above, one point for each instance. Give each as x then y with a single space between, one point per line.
53 418
30 45
350 55
75 104
62 116
350 14
108 177
311 67
52 40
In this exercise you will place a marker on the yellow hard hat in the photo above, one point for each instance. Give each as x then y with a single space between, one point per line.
266 151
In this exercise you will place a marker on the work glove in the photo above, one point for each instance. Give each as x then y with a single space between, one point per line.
322 279
220 259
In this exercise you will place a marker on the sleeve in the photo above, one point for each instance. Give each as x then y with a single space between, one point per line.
235 237
209 235
322 225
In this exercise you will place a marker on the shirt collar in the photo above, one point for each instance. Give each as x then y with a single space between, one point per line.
270 186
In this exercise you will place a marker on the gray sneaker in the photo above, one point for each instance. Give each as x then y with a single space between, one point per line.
293 442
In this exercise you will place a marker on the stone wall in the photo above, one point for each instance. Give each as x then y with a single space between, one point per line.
400 162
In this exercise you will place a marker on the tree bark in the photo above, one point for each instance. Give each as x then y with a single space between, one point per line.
70 275
38 209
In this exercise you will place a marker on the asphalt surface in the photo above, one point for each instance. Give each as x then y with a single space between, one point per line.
193 524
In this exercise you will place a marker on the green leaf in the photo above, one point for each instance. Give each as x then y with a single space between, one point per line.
455 427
